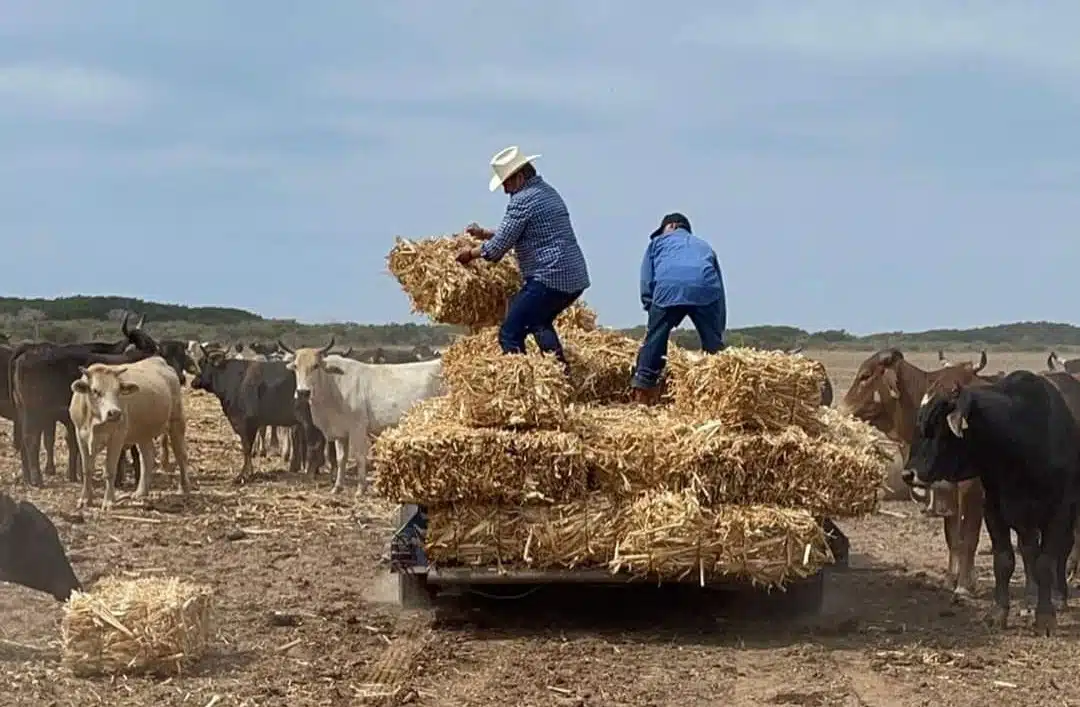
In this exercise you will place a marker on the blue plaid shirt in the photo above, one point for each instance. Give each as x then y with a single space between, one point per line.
537 226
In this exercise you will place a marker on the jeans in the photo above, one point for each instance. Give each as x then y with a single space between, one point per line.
708 320
533 311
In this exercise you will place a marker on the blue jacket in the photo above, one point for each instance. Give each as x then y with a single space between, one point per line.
680 269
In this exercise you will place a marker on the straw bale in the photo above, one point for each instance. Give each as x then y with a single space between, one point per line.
790 468
579 315
496 390
579 534
473 295
148 625
630 448
672 536
431 457
750 390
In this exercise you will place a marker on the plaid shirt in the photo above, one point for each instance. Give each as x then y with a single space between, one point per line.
537 226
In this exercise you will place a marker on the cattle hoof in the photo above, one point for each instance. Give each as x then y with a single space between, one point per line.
1045 624
961 595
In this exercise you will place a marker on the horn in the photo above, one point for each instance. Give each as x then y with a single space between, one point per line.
326 349
140 322
283 347
1051 360
982 361
348 352
941 356
123 324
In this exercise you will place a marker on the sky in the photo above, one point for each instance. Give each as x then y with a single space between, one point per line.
896 165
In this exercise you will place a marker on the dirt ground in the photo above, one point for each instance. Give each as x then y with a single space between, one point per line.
889 633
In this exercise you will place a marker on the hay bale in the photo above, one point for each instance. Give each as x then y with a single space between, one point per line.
430 457
631 448
579 534
750 390
473 295
148 625
577 316
827 476
490 389
672 536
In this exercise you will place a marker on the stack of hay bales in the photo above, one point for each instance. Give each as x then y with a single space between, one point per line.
519 466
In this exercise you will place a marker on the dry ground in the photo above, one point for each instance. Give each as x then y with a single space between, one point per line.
888 636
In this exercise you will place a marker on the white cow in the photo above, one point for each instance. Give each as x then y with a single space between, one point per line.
350 400
116 406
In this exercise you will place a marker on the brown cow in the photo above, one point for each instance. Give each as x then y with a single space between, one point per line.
886 393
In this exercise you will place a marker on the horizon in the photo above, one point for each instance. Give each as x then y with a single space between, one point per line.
869 167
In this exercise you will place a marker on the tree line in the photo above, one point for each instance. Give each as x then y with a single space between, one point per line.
81 318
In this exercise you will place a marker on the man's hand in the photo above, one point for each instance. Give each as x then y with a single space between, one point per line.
477 231
467 255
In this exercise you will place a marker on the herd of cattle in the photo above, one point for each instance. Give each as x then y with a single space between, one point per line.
1003 449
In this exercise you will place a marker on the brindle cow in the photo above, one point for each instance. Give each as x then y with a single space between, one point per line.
886 393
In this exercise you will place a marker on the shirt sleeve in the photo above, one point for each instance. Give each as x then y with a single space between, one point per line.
509 231
647 277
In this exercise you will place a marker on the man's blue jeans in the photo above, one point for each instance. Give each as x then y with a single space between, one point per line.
708 320
533 311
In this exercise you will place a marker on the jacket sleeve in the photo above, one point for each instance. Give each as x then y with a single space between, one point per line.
509 231
647 277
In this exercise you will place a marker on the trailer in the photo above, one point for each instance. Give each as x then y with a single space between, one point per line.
419 581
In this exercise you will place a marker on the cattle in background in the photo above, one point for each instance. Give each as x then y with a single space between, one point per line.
40 377
886 393
8 411
1054 362
1019 436
253 395
116 406
350 400
31 553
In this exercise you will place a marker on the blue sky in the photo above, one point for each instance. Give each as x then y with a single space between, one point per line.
871 166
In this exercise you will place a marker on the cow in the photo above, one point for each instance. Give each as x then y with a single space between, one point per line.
116 406
253 395
1019 437
886 393
8 411
1054 362
40 377
350 400
31 553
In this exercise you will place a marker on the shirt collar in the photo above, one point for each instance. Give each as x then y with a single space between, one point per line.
680 229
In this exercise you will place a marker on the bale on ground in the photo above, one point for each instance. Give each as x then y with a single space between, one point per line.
431 457
495 390
750 390
147 625
672 536
836 477
578 534
473 295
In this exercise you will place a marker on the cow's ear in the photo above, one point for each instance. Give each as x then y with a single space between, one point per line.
291 365
334 369
892 383
128 388
82 370
957 423
80 386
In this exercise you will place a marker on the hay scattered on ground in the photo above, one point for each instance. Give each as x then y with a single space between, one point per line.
430 457
671 535
490 389
146 625
788 468
579 315
663 535
750 390
473 295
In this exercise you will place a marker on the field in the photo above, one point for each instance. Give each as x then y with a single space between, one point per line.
889 634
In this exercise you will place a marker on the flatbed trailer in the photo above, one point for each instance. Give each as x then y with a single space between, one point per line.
419 581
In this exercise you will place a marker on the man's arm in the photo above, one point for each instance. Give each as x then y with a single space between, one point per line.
508 232
647 278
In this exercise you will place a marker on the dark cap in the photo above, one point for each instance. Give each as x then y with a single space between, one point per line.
674 218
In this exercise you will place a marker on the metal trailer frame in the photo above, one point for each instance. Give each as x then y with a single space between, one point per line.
419 582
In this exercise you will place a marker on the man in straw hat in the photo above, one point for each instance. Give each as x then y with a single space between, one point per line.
537 226
680 277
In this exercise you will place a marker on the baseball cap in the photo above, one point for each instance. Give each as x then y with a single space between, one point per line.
672 218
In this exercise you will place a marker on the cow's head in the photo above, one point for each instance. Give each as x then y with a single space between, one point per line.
31 553
103 387
136 337
211 362
938 453
308 363
874 395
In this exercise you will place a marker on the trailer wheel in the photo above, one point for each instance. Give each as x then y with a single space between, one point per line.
414 592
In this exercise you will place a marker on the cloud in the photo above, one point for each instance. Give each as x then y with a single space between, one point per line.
70 92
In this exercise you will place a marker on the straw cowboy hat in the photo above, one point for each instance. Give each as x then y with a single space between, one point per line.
505 163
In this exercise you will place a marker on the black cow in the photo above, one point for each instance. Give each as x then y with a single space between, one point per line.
1054 362
40 377
1020 437
8 411
31 553
253 394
